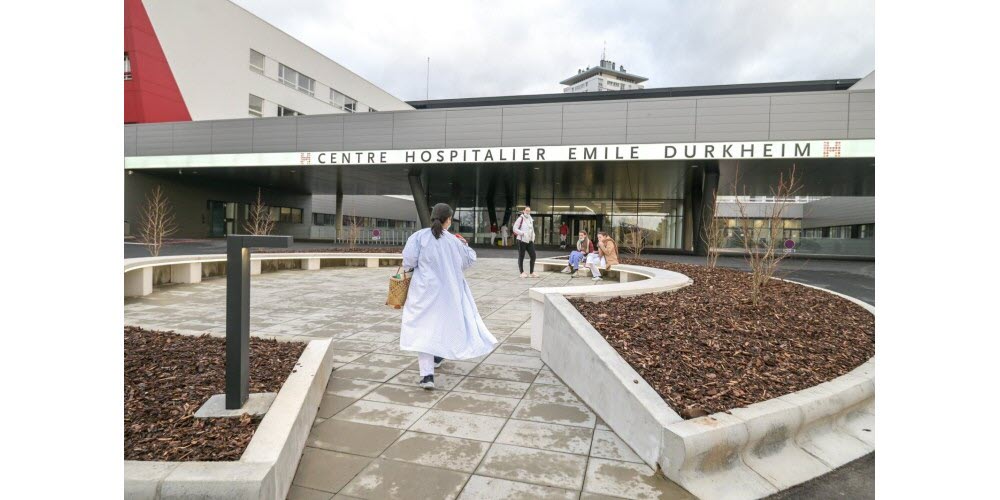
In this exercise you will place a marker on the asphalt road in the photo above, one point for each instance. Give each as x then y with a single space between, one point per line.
855 480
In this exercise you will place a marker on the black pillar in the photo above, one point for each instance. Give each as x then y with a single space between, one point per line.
238 313
419 197
703 191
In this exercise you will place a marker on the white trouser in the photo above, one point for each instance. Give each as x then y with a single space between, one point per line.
504 241
593 261
426 362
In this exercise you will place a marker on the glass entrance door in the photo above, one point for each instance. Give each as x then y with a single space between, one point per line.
217 221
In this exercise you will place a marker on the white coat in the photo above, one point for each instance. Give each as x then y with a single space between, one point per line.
524 228
440 316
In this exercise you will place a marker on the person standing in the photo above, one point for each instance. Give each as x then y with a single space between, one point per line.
440 318
493 233
504 233
563 234
524 231
606 256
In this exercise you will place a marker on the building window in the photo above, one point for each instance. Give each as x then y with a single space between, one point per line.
128 68
256 106
372 110
341 101
256 62
283 111
296 80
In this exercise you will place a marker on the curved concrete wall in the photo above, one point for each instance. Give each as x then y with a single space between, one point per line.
749 452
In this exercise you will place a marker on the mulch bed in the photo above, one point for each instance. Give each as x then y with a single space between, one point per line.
706 348
331 250
169 376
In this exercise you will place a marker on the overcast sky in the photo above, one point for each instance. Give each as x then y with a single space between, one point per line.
510 47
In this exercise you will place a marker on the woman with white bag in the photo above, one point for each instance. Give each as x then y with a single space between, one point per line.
437 290
524 231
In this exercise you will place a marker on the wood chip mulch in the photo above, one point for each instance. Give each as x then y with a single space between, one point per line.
706 348
169 376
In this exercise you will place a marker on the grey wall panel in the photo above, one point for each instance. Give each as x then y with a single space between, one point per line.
733 118
425 129
130 135
595 123
153 139
232 136
861 123
474 127
839 211
274 134
192 138
320 133
368 131
661 121
532 125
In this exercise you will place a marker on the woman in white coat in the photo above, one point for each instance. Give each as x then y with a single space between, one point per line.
440 318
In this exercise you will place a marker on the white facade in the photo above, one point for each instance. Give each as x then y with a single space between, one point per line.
208 45
606 76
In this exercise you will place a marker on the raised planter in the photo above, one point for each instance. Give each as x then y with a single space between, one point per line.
747 452
267 466
142 274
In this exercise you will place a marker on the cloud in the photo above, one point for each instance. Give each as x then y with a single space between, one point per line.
514 47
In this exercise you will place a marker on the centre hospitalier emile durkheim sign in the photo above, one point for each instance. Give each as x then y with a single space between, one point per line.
844 148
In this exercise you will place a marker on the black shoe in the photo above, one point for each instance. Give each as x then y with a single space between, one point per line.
427 382
437 361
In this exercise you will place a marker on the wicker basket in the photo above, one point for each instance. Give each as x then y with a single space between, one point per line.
398 288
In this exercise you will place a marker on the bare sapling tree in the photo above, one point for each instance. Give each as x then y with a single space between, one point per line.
761 244
259 221
156 221
636 240
714 234
353 231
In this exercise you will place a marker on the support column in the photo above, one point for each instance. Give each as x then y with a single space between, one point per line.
139 282
704 187
339 211
186 273
310 264
419 197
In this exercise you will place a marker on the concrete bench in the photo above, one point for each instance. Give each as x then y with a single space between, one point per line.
142 274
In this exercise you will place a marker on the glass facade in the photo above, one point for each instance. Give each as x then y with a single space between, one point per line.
613 197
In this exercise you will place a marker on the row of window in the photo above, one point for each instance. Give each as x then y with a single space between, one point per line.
855 231
304 84
280 214
257 108
331 219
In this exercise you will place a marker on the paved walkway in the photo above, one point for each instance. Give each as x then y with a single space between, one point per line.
500 426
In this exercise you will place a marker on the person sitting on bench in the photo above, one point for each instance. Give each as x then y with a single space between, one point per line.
606 256
584 247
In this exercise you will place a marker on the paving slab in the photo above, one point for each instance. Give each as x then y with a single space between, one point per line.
463 425
435 450
513 373
351 437
330 405
366 372
608 445
382 414
477 403
327 470
409 395
553 437
555 413
394 480
491 488
529 465
492 387
349 388
630 480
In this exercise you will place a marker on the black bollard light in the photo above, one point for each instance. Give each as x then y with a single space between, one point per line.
238 312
